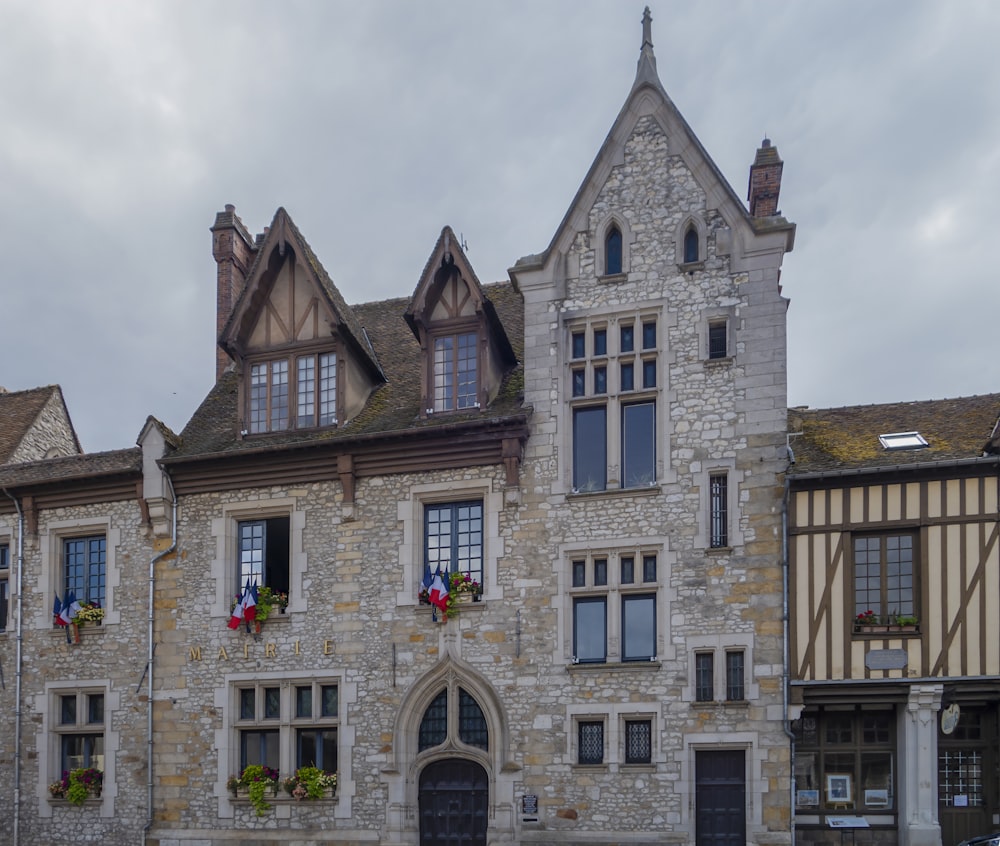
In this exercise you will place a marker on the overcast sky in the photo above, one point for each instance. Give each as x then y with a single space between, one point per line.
124 128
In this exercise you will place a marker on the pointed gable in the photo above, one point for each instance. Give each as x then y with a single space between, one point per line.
35 424
305 359
464 348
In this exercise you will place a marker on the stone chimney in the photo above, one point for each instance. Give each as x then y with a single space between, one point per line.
233 249
765 181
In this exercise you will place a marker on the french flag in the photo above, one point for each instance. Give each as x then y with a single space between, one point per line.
57 612
70 608
438 592
246 608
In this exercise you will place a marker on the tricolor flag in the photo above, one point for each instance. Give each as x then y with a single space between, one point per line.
56 611
438 592
70 608
245 608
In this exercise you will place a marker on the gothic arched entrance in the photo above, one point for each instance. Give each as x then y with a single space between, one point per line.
453 799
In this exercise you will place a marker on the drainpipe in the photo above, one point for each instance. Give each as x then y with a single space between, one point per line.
149 660
786 650
19 669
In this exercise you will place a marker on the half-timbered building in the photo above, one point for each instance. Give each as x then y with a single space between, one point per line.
894 566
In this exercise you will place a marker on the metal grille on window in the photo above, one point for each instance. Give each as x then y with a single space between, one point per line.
471 721
960 773
434 725
638 742
719 506
591 741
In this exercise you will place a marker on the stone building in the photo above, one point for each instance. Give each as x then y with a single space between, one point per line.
595 447
894 552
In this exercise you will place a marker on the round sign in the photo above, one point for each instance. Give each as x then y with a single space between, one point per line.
949 718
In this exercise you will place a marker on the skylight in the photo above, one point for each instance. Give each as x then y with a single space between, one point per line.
903 440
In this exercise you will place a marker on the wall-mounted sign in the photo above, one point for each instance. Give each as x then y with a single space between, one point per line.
949 718
886 659
529 807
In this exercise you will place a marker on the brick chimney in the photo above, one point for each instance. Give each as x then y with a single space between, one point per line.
233 249
765 181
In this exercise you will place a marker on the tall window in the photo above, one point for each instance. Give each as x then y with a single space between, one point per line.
445 718
84 565
287 726
613 251
691 245
453 538
79 725
590 742
616 599
638 741
718 487
613 389
718 339
456 381
304 398
844 761
735 684
704 676
884 575
263 555
4 585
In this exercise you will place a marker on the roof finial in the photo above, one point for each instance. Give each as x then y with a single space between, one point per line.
646 70
647 28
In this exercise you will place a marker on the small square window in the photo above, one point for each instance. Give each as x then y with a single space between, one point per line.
638 741
903 440
590 742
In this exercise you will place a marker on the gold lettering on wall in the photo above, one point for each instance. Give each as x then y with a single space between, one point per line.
246 650
270 650
194 653
296 647
222 654
328 647
250 650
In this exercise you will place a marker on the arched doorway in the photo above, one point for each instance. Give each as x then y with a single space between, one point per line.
453 799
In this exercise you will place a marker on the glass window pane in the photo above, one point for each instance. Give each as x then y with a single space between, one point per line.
590 629
628 377
600 380
327 760
649 336
628 570
718 485
434 725
649 568
600 342
734 676
471 721
876 780
704 672
67 710
601 571
327 389
638 627
247 709
717 340
613 252
591 742
638 742
328 698
272 703
305 752
303 702
95 708
590 445
579 345
279 396
467 370
638 444
305 389
649 374
579 383
627 338
579 573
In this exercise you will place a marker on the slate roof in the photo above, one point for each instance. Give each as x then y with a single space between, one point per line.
72 467
846 439
393 407
18 412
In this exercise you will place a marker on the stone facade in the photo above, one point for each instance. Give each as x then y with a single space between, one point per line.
628 638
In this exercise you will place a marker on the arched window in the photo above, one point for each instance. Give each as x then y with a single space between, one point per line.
613 251
691 245
467 723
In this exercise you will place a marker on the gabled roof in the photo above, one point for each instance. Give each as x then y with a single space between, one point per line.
20 410
847 439
281 234
393 409
447 257
72 468
648 97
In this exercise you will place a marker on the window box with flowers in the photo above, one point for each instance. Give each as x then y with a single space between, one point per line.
311 783
76 786
255 782
868 622
267 603
464 589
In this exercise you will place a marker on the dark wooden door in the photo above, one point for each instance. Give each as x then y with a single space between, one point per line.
966 776
720 798
454 798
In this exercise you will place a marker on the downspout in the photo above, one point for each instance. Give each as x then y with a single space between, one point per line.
19 669
786 649
149 660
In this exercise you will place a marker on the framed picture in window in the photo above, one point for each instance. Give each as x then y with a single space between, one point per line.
806 798
877 798
838 788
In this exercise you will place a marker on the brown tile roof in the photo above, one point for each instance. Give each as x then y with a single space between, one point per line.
72 467
18 412
393 407
832 439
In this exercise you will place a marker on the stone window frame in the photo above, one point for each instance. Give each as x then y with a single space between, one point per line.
717 646
756 757
601 232
410 513
5 579
697 223
714 317
623 718
734 479
51 581
614 716
613 399
47 704
224 531
613 592
226 701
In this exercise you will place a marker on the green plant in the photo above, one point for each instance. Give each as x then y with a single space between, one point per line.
258 779
867 618
91 612
905 620
76 785
268 600
310 783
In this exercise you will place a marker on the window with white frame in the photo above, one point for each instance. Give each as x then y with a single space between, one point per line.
614 594
79 726
613 388
456 371
296 392
287 725
4 585
263 553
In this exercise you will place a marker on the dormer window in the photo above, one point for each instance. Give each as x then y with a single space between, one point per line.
456 382
613 251
299 392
